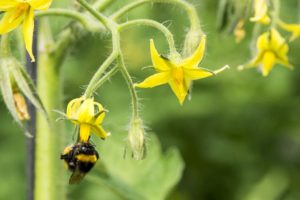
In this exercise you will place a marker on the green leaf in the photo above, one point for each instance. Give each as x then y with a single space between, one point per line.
151 178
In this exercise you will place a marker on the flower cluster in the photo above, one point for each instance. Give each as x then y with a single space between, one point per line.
271 47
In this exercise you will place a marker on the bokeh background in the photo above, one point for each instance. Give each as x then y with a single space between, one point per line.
238 137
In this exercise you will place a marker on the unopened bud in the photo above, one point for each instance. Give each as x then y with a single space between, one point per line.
21 106
239 31
191 42
136 139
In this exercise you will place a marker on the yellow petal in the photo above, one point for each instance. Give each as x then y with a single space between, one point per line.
284 61
28 27
195 59
10 21
293 28
155 80
197 73
40 4
8 4
84 133
263 41
180 89
100 132
100 115
73 107
268 62
86 111
160 63
277 42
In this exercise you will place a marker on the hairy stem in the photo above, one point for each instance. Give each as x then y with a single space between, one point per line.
112 26
101 5
49 143
128 79
152 23
94 81
105 77
189 8
66 13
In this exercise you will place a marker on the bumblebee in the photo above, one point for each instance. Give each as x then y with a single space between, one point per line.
79 158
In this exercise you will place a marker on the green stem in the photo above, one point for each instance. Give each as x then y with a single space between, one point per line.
96 14
112 26
101 5
152 23
275 14
49 142
189 8
86 22
105 77
128 79
94 81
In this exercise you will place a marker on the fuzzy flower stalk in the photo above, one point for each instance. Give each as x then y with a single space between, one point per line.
136 138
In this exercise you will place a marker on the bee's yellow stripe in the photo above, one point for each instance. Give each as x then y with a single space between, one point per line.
86 158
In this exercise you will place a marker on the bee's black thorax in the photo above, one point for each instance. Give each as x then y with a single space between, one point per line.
80 159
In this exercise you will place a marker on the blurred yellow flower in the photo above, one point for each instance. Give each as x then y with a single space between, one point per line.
89 115
18 11
293 28
21 106
260 12
176 72
272 49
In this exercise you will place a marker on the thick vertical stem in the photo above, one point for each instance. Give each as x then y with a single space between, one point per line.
49 182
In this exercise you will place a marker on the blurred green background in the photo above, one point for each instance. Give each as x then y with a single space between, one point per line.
238 136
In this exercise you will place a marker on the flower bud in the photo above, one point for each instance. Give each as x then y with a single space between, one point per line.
136 139
21 106
192 41
239 31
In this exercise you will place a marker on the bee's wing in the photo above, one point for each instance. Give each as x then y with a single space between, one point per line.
76 177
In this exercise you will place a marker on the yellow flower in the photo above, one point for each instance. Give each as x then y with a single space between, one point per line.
18 11
177 72
260 12
272 49
293 28
89 115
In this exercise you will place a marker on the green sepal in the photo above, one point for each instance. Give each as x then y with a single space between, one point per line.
7 94
25 84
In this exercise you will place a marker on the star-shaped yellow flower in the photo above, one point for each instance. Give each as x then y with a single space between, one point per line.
272 49
177 72
260 12
293 28
89 115
18 11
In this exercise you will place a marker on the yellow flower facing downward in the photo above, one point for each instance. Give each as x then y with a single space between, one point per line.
272 49
293 28
89 115
18 11
177 72
260 12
